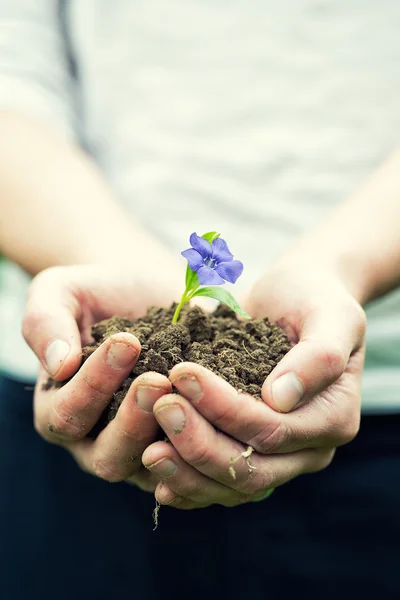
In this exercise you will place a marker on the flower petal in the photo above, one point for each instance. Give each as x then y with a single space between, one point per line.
230 270
201 245
221 252
208 276
195 260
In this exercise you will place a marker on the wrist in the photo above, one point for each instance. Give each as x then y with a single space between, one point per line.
346 264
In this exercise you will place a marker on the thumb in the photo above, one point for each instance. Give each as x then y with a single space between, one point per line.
327 339
49 325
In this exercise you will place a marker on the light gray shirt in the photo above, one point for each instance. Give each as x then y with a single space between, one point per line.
250 117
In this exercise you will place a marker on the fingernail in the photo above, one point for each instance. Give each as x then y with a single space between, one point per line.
120 355
189 387
287 391
171 418
163 468
146 396
56 352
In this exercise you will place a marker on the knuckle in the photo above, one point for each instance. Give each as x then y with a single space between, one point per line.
333 360
94 385
32 321
192 489
257 482
348 429
323 460
103 469
224 417
63 423
198 456
131 435
271 438
359 319
50 275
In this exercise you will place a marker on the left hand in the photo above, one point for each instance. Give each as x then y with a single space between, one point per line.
319 380
63 303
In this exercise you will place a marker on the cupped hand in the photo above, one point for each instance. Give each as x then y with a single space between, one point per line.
311 400
62 305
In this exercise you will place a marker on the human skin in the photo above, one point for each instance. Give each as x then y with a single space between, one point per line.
312 398
354 257
45 215
57 209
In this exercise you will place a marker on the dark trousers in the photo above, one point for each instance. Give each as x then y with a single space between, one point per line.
64 535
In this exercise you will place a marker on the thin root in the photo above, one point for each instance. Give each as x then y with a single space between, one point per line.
249 353
175 357
155 514
232 472
246 455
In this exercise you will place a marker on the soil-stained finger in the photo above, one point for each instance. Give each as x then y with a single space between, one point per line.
75 408
118 449
184 480
165 495
239 415
49 324
223 459
256 424
43 399
84 452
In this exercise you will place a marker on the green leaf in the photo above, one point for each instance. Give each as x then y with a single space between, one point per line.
210 236
223 296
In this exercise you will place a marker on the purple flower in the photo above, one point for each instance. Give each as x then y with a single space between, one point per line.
213 263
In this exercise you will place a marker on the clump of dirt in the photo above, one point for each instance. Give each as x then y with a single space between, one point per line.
241 352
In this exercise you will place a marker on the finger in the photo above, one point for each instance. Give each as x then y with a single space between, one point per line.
83 452
239 415
185 481
77 406
318 424
118 449
164 495
327 339
50 325
215 454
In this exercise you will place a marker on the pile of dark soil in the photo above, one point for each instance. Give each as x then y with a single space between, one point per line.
241 352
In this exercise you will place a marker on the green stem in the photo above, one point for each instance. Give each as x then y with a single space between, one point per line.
191 293
187 296
178 309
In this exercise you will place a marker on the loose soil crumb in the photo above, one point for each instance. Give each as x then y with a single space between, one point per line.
241 352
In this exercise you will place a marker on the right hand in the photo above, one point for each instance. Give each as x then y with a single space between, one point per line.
63 303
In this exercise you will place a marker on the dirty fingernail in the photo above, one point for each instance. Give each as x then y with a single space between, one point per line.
287 391
171 418
163 468
189 387
120 355
146 396
55 354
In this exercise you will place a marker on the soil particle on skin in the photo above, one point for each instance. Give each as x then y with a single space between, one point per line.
241 352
